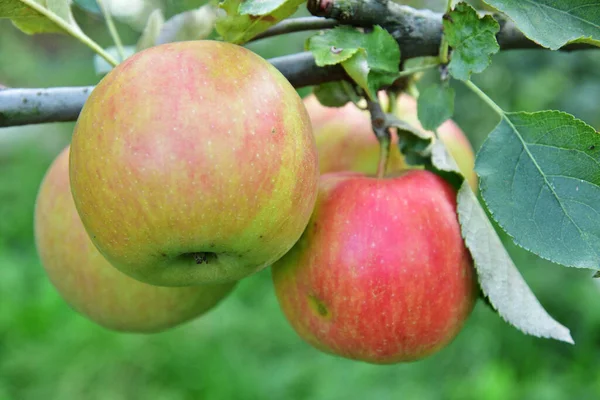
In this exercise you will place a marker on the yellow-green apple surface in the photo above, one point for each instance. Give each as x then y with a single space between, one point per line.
381 273
94 287
345 139
193 163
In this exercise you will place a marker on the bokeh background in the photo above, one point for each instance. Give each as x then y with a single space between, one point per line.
245 349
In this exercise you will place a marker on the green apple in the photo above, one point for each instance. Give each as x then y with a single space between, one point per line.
345 139
381 273
193 163
94 287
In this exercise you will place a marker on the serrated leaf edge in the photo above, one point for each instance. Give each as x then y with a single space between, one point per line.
488 57
493 214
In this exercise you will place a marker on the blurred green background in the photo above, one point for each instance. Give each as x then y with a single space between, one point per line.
244 349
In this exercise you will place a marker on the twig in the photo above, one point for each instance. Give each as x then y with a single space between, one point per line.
297 25
72 30
112 29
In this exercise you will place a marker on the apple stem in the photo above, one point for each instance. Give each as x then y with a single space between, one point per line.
384 153
383 134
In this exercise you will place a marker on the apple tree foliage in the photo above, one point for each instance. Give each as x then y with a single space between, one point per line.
539 172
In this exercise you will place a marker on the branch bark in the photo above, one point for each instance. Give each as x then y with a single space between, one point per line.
300 24
418 32
36 106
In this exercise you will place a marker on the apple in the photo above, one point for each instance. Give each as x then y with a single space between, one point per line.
345 139
94 287
381 273
193 163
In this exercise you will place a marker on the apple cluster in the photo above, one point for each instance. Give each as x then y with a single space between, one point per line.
196 164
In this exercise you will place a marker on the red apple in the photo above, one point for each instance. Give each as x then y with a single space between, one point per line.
94 287
345 139
192 163
381 273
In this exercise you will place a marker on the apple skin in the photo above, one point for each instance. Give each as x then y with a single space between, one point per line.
381 273
345 139
194 163
90 284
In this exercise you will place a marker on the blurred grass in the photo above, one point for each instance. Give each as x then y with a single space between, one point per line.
244 349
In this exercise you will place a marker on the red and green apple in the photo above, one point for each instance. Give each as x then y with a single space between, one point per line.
192 163
381 273
90 284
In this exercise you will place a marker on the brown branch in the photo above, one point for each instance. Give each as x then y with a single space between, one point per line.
418 32
296 25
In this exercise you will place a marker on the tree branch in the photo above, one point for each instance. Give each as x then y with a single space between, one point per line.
35 106
297 25
300 69
418 32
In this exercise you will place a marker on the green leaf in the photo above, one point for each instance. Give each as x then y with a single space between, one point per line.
382 50
370 59
472 39
236 27
378 80
39 16
499 278
435 105
500 281
335 94
189 25
338 44
326 45
259 7
540 177
554 23
151 31
357 67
